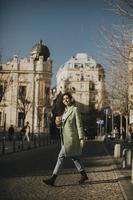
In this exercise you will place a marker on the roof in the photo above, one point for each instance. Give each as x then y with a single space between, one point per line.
40 49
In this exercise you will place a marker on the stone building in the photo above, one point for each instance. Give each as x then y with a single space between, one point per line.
25 90
85 79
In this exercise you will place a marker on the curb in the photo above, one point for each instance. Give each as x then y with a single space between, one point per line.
119 182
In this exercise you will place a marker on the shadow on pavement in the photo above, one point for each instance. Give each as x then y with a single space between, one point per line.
41 161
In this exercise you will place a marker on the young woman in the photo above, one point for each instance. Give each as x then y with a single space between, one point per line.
72 139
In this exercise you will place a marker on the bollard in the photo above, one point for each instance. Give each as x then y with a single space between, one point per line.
43 140
22 144
39 140
35 145
14 144
117 151
19 145
127 158
3 145
47 139
132 173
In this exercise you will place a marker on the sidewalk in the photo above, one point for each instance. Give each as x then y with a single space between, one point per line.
22 173
123 176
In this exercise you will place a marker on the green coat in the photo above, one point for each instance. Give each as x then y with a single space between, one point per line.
72 132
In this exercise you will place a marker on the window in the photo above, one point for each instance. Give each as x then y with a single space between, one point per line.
0 118
21 116
70 76
45 120
47 90
82 77
78 65
81 86
73 89
92 86
1 92
92 97
100 77
132 75
87 64
131 96
22 91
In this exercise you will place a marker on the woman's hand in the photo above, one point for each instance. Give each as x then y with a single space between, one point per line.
58 120
82 143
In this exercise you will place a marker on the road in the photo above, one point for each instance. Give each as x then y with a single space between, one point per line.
21 175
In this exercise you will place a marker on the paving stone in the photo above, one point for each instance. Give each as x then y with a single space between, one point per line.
103 183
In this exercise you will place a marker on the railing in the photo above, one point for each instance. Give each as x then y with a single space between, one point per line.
19 144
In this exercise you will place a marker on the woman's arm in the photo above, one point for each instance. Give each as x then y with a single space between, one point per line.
79 124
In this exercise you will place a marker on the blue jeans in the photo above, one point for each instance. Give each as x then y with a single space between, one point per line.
60 160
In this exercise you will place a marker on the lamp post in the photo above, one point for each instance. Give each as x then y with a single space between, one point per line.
112 127
33 106
106 120
106 111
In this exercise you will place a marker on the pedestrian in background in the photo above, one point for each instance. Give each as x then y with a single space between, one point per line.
123 136
26 130
11 132
129 133
116 133
72 139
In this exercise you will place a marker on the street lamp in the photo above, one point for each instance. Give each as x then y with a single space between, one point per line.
106 112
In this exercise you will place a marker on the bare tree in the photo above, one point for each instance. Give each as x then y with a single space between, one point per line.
5 79
24 102
119 43
122 7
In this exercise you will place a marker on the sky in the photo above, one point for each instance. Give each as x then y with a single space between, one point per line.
66 27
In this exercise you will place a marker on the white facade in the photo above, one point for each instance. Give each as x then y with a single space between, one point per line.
25 89
84 78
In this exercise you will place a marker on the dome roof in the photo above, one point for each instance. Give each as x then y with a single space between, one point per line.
40 49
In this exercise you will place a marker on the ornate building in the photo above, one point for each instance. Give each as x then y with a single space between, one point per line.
25 90
85 79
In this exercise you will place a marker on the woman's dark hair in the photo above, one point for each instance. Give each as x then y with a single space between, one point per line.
59 107
70 97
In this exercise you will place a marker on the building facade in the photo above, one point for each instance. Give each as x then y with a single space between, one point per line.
85 79
25 90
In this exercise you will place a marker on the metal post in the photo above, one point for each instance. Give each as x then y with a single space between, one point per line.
3 145
100 129
132 173
112 122
43 140
35 141
22 143
126 125
121 124
33 105
39 140
14 144
106 121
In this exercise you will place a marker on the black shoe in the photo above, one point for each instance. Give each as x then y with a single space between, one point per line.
83 177
50 181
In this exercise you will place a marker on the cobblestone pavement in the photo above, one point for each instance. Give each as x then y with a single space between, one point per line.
17 182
